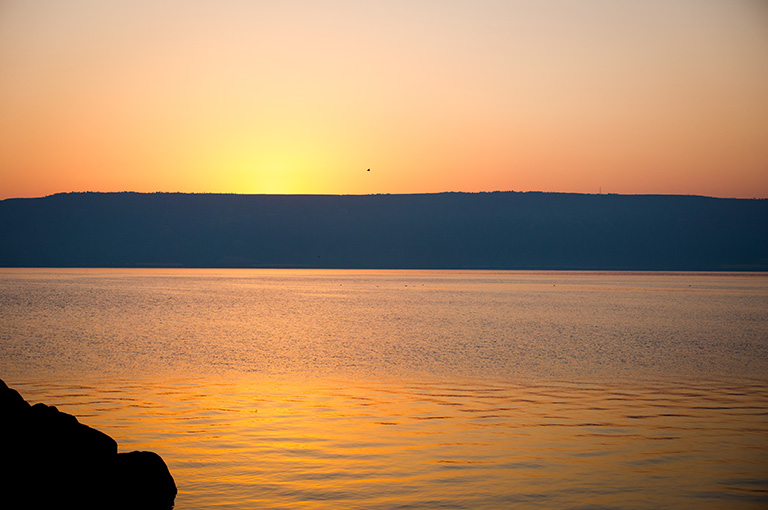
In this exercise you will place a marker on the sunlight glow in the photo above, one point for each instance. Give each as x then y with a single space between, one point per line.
300 97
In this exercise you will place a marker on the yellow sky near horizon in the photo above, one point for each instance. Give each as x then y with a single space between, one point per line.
237 96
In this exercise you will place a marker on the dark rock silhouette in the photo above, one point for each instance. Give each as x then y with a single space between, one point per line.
50 460
144 480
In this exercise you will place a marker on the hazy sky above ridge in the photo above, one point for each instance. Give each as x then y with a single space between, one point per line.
237 96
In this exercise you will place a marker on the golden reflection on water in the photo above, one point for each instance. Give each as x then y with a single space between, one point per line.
270 443
413 389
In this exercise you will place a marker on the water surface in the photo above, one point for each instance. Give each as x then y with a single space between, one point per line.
387 389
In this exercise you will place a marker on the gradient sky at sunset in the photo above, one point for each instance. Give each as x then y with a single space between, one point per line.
238 96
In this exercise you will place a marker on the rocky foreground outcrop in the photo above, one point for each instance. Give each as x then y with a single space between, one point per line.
48 460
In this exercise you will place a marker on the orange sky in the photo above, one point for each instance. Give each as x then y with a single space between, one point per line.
239 96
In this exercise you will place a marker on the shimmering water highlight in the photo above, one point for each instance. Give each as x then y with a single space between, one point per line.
380 390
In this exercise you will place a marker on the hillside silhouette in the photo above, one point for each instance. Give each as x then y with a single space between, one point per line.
499 230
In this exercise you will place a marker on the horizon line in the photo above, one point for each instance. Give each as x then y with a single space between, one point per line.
600 193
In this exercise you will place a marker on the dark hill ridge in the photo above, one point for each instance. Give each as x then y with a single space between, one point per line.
500 230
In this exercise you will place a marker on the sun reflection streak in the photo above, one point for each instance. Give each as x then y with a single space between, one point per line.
363 443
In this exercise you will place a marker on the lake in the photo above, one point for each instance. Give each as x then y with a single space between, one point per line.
409 389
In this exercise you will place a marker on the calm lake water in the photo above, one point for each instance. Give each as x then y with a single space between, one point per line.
409 389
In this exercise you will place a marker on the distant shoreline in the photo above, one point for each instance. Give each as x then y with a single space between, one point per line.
414 269
459 231
125 192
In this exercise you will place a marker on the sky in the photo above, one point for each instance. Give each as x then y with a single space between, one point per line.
395 96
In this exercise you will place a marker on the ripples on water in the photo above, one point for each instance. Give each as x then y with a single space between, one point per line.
270 444
410 390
